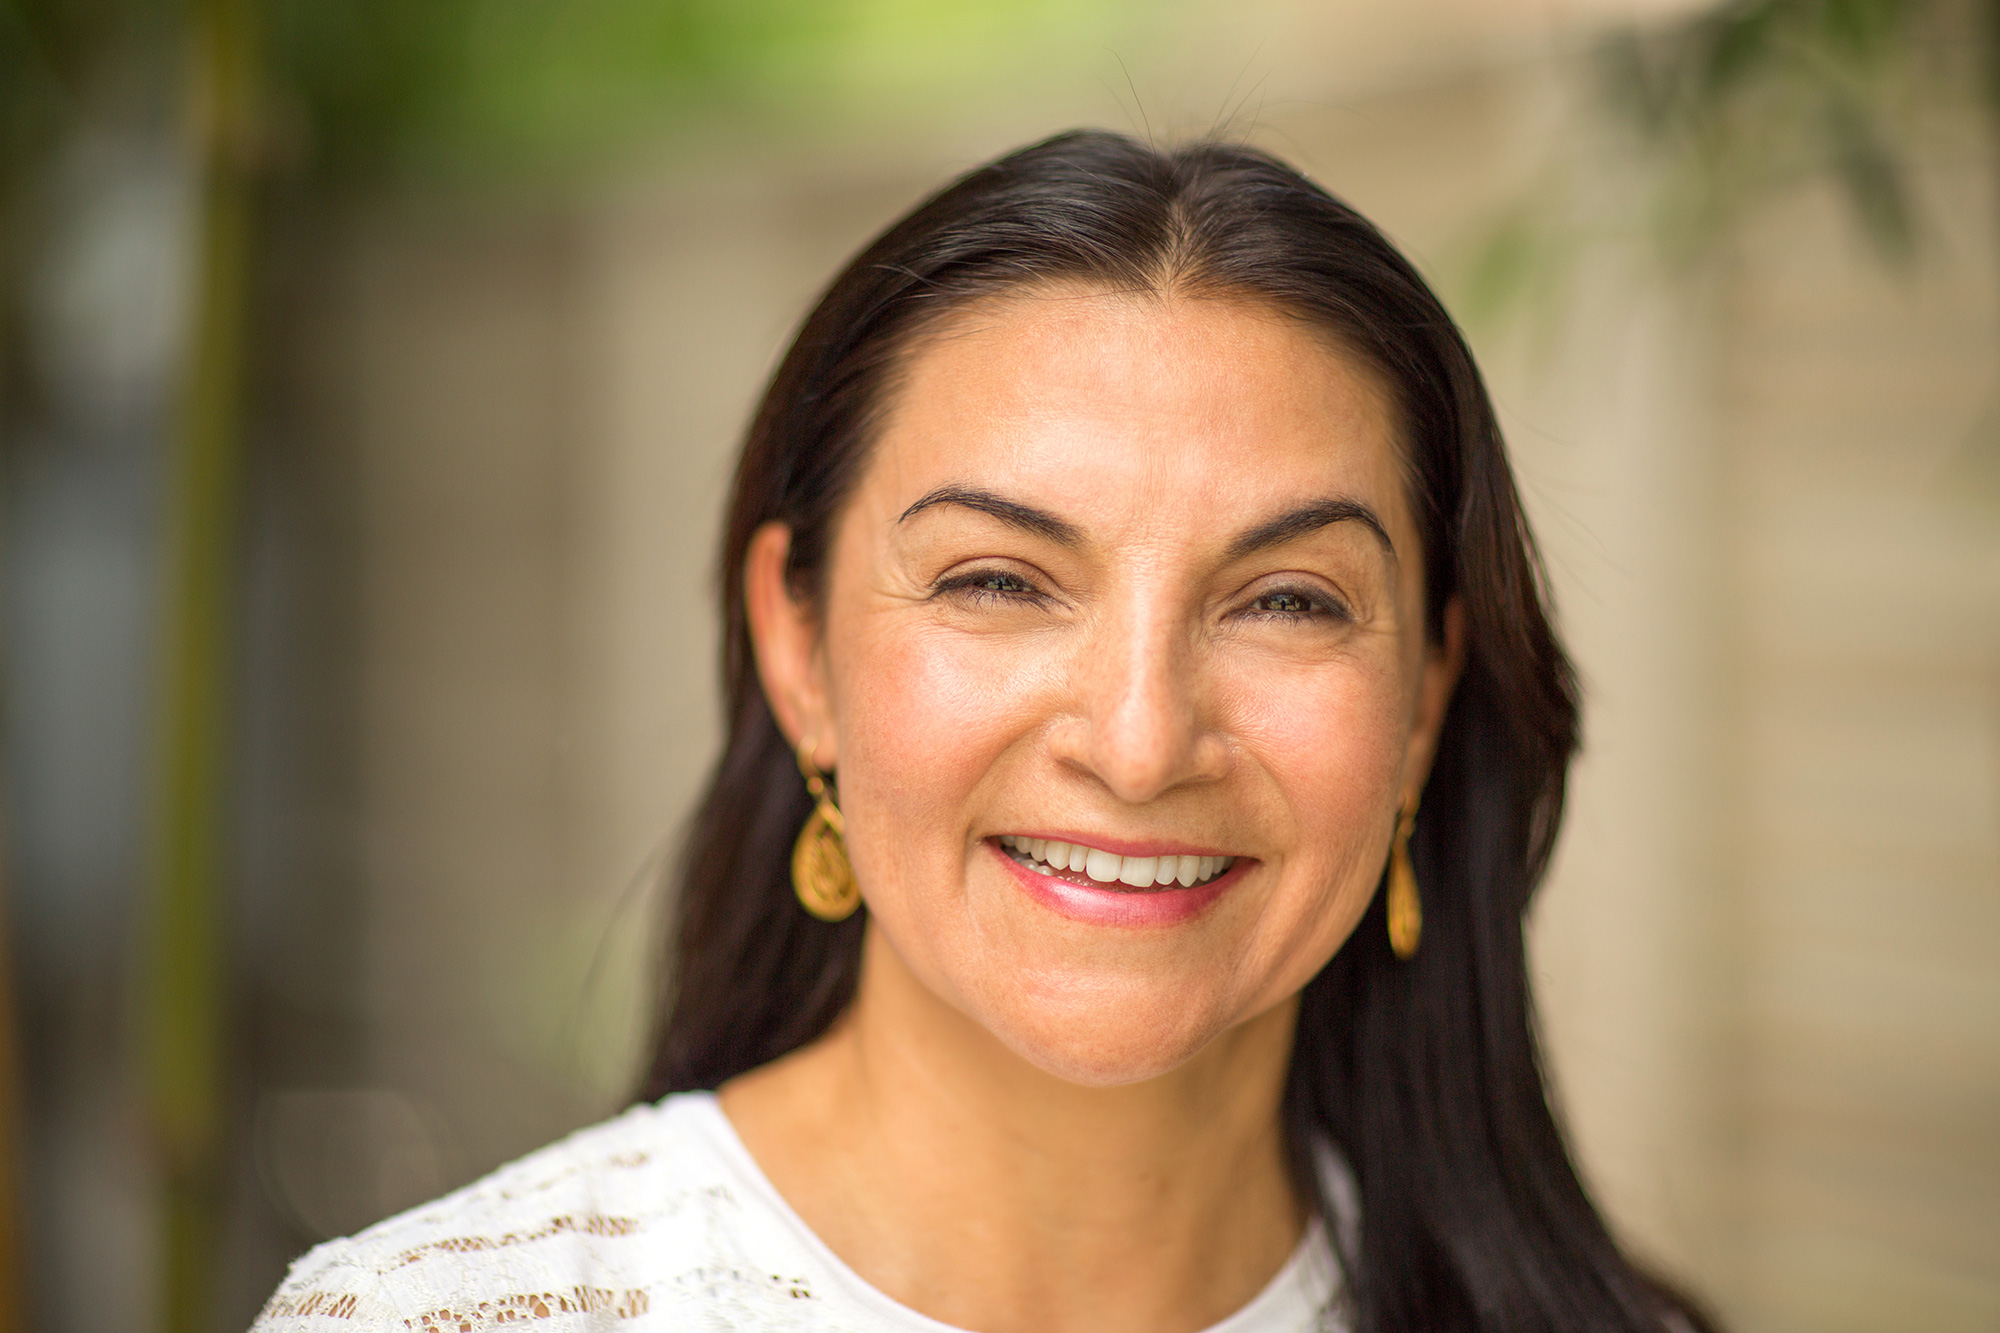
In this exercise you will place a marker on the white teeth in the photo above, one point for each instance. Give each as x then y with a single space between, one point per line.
1141 872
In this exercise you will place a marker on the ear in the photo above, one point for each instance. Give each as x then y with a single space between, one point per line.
785 634
1444 662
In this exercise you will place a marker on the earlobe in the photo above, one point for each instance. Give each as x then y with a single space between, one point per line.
784 635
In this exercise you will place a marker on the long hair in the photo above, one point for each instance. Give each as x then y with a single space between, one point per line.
1424 1073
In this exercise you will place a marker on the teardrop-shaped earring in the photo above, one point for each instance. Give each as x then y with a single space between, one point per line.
822 876
1406 912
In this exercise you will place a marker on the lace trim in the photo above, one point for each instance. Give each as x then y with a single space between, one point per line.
591 1224
627 1304
324 1304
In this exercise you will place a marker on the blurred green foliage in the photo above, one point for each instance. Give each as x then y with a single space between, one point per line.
1690 126
48 49
360 88
536 83
1757 95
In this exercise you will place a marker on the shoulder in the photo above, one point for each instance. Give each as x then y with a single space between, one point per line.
626 1220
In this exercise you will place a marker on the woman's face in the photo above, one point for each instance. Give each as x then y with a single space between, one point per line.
1134 575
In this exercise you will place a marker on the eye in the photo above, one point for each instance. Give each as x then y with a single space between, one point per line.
990 585
1297 604
1287 603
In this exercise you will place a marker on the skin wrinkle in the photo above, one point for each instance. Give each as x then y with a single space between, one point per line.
1087 646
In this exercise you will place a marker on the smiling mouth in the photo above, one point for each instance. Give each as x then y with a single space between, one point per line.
1076 862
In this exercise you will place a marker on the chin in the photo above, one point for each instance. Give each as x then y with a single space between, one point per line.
1074 1041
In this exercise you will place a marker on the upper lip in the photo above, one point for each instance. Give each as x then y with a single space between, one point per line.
1105 842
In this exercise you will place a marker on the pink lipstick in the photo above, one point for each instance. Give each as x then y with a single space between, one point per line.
1118 904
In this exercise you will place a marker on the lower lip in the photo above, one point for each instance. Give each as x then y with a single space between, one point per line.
1113 907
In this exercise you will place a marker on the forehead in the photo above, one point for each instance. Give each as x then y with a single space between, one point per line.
1203 398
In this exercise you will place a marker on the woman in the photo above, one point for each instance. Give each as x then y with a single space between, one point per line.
1130 531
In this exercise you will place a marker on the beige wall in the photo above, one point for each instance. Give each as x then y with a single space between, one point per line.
1768 953
1865 510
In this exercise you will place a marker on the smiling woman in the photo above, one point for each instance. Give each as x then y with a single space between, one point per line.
1129 533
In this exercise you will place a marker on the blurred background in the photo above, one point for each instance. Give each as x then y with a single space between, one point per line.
369 377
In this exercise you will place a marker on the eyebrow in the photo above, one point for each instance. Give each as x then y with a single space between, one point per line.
1026 517
1311 518
1274 532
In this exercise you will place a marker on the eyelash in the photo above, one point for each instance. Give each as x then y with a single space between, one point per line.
971 583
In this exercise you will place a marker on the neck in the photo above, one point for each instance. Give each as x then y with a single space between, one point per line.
980 1190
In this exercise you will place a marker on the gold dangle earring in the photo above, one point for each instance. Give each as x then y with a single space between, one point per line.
822 876
1406 913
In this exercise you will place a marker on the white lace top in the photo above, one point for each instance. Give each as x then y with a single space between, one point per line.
656 1220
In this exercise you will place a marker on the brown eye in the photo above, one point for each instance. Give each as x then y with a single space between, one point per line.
1284 604
1298 605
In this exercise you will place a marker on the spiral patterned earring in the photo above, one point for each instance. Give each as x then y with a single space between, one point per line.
1406 912
822 876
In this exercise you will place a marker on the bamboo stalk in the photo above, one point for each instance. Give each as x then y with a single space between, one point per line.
184 984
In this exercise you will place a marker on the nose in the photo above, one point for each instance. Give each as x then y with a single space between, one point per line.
1141 726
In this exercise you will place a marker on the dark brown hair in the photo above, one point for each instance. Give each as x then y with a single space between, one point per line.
1425 1073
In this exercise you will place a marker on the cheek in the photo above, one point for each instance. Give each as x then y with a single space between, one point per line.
924 718
1331 739
1329 747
